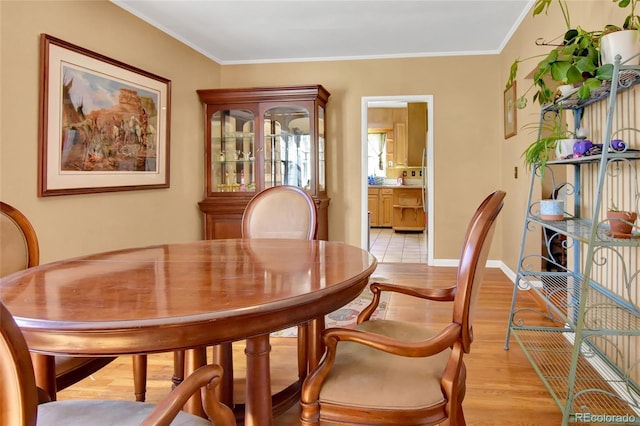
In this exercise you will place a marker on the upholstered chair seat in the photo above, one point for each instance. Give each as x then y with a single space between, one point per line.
97 412
412 383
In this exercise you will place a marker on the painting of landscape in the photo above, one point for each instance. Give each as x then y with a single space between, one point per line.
107 124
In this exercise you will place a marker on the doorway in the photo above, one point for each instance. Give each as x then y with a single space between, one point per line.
382 101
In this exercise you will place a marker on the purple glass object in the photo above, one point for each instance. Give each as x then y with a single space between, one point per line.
618 144
580 147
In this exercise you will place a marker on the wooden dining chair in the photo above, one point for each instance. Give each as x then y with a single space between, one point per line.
19 249
22 403
278 212
281 212
387 372
284 212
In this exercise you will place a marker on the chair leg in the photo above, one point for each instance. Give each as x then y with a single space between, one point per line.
309 414
461 420
140 377
178 368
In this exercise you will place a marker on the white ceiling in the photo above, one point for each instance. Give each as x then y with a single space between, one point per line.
261 31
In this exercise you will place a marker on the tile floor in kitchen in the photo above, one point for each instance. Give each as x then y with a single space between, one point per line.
398 247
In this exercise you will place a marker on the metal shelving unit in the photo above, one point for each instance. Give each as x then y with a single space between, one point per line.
584 339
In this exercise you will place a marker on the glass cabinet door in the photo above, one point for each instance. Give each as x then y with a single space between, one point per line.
321 151
232 151
287 147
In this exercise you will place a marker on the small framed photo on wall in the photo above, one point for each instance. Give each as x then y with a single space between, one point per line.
510 115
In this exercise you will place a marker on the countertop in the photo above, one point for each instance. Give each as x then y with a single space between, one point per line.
395 186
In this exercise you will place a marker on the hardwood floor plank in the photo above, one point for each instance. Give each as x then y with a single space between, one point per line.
502 387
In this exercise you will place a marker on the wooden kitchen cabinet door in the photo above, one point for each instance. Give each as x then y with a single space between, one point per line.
374 206
386 207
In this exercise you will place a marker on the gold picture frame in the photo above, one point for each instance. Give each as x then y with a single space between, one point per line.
104 125
510 114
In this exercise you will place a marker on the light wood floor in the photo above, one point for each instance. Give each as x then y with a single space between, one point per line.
502 387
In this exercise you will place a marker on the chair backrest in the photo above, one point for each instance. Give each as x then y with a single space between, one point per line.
473 259
18 392
18 242
280 212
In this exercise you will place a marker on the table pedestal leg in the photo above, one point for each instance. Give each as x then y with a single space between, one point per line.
44 367
194 359
316 346
222 355
258 406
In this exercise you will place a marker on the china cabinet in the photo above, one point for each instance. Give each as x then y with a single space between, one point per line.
583 337
256 138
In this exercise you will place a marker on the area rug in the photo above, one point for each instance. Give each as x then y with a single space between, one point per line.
347 315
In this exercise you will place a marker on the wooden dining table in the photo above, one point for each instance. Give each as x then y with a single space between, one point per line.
186 296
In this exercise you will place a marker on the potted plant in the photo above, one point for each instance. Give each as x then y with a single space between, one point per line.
553 132
620 221
576 61
624 40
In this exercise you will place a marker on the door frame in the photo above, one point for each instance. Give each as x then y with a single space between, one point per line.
378 101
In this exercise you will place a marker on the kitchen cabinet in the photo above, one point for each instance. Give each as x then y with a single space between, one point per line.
393 121
374 206
386 204
380 201
417 133
584 338
408 213
406 131
256 138
400 144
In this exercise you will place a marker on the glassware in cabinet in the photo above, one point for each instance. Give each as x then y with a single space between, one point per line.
232 147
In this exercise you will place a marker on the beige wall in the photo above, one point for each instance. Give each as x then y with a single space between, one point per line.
467 140
79 224
471 156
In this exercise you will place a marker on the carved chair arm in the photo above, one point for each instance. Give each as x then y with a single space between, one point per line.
207 378
437 294
420 348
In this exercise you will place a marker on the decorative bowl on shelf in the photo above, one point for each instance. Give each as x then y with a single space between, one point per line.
551 209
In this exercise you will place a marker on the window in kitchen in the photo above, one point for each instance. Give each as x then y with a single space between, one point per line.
377 165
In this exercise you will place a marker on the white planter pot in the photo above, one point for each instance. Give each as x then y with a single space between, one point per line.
552 209
624 43
564 147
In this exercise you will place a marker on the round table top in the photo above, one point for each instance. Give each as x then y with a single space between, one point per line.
176 296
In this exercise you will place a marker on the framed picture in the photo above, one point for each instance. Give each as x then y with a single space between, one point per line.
510 116
104 125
